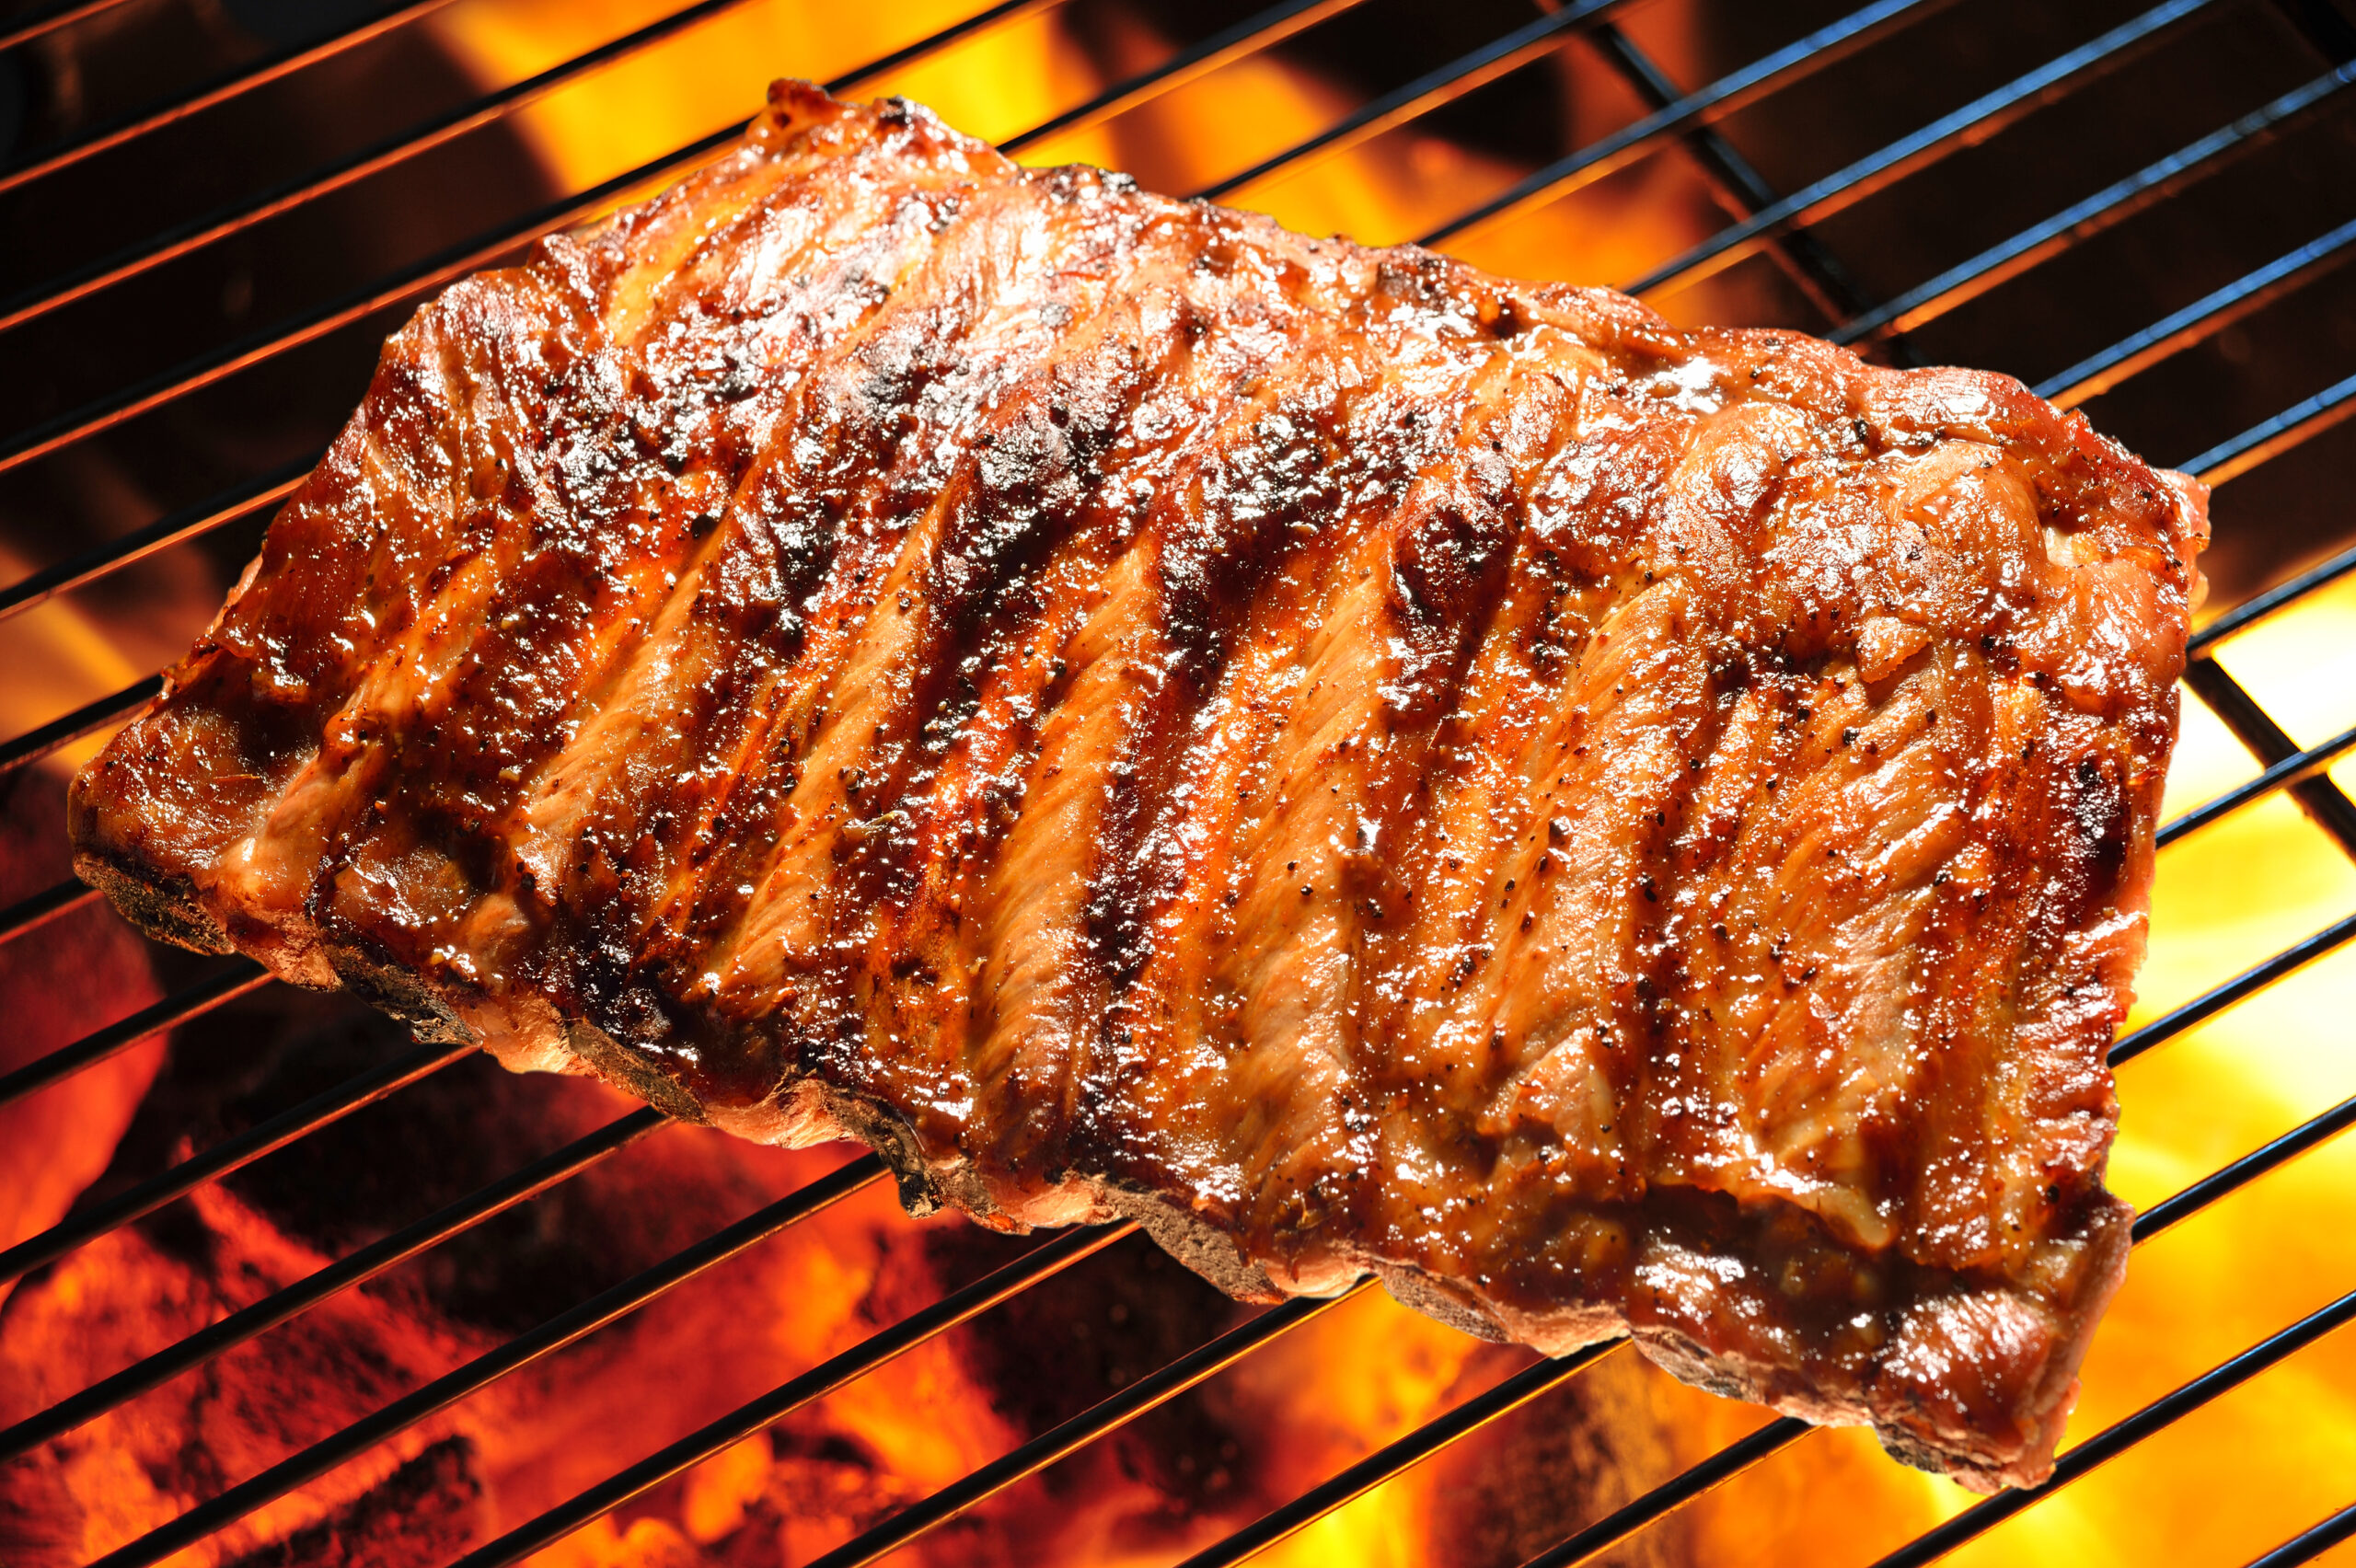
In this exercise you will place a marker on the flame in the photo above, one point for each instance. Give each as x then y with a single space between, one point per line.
81 974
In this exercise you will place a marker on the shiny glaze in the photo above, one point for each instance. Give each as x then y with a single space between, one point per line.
1605 825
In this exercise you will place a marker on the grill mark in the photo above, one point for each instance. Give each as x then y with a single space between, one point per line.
843 533
1030 602
784 927
625 934
679 681
1036 988
1367 702
305 677
327 811
1226 532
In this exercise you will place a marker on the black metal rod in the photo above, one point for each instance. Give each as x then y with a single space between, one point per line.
2113 1441
2299 1140
239 978
2313 1542
1261 29
218 1513
234 217
2098 214
1107 1415
366 1264
2303 421
87 720
232 84
187 522
32 912
1441 86
2317 795
1005 11
792 1394
1827 280
1397 1457
2197 322
1978 119
2256 608
1793 62
85 1226
30 25
2294 769
1671 1495
2250 981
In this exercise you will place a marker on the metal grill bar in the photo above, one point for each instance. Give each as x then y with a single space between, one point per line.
219 1513
41 24
2113 1441
1433 89
1977 121
364 1264
220 90
1261 31
203 370
2307 418
87 720
234 217
2250 611
2103 211
188 522
1819 276
1108 1415
85 1226
2199 321
31 914
1671 1495
1397 1457
239 978
2307 1136
2321 799
790 1396
1795 62
2312 1543
2216 999
2295 769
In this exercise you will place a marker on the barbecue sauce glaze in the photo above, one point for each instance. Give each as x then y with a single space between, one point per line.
1362 764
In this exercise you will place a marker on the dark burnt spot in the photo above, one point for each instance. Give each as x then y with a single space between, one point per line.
2099 808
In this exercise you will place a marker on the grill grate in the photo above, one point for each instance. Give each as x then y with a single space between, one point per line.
1780 225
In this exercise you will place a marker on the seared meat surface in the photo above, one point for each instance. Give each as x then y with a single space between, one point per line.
1361 765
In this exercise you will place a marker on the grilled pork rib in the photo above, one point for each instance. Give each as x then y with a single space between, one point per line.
1360 765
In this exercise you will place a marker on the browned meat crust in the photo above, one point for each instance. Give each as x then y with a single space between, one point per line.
1360 764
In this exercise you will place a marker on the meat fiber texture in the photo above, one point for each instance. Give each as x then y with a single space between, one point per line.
1357 764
